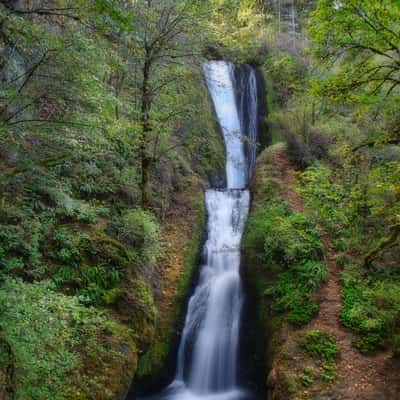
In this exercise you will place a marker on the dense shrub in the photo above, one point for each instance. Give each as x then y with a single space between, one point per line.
287 72
371 306
293 291
291 239
288 243
280 237
47 332
303 152
139 229
297 151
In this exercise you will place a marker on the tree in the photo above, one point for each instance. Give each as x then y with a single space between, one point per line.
118 68
167 36
361 40
359 43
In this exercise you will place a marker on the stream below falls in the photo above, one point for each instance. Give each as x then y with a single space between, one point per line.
207 362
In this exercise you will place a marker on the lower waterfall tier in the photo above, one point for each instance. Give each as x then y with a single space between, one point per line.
207 360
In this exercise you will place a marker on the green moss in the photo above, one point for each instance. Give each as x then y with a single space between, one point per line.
144 299
153 360
192 255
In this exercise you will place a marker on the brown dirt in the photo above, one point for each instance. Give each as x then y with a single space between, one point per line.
177 232
360 377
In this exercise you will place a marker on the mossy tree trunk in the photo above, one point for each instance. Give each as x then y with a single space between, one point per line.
384 243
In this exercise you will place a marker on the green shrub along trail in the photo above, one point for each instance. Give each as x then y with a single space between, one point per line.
108 139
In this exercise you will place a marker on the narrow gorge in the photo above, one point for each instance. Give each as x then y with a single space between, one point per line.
208 355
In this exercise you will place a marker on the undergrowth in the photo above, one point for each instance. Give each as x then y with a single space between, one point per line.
352 213
49 334
371 307
321 347
287 243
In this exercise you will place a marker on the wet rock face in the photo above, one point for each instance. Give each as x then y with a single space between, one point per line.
217 181
251 100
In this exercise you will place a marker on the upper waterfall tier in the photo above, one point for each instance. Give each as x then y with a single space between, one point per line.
234 94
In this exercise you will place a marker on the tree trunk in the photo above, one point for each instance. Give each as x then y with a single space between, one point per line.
384 243
145 159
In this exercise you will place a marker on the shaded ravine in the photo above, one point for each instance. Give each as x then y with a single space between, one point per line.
207 362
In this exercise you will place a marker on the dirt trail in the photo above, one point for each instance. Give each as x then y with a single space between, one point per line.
360 377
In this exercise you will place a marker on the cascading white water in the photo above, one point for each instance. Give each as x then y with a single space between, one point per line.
207 366
220 82
212 322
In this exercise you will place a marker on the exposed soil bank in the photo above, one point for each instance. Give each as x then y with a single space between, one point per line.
183 233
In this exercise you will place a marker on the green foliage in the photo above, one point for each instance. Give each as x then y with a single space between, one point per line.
293 291
307 376
322 348
93 284
287 74
371 306
324 196
370 303
287 243
46 332
238 29
69 209
139 229
319 345
329 373
18 250
279 237
291 239
364 34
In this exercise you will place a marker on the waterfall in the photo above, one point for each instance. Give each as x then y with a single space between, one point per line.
207 366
